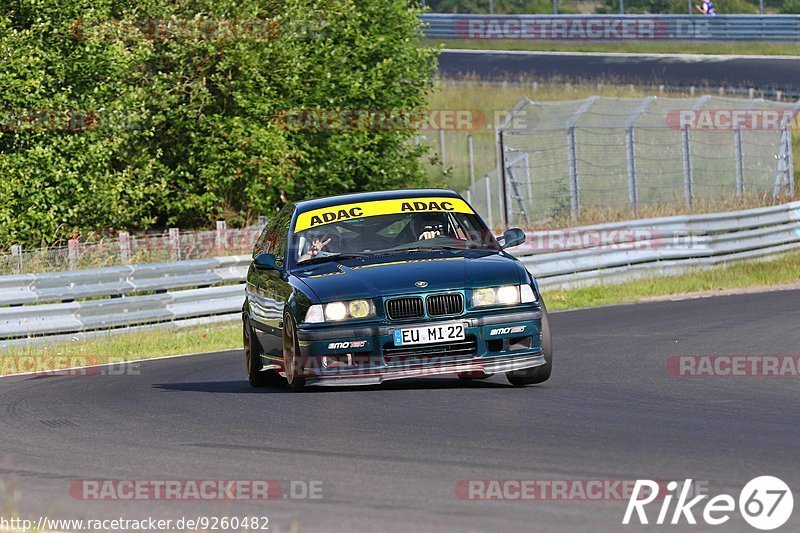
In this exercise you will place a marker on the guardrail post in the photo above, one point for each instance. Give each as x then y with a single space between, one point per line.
737 146
175 242
221 235
73 252
124 247
574 191
688 193
16 258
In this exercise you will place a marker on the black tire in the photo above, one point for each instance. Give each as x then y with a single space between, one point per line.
537 374
292 362
252 359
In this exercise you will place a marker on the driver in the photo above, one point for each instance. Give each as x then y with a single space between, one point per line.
429 225
317 243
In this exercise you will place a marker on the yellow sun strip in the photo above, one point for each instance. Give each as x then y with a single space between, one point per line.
337 213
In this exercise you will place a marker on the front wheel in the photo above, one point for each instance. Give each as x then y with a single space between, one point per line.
292 362
252 358
537 374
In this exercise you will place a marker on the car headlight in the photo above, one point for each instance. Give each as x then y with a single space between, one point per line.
505 295
339 311
335 311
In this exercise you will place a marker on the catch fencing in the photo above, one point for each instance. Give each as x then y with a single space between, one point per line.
64 305
560 159
612 27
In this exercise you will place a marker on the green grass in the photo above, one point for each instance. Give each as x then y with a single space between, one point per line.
115 348
779 270
682 47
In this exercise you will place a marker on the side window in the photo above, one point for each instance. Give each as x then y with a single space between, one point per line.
266 241
281 231
273 239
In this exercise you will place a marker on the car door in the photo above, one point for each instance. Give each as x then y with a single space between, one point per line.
268 290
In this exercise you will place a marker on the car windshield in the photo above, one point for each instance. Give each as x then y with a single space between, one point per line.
392 233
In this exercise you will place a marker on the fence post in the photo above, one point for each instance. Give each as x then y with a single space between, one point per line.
503 181
16 258
572 156
220 236
574 192
175 243
471 153
783 170
633 193
688 193
789 160
529 179
73 252
737 147
442 153
489 201
124 247
630 152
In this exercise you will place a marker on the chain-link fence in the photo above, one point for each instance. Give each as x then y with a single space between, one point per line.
561 159
126 248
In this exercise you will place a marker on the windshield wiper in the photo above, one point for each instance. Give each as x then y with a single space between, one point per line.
332 257
429 248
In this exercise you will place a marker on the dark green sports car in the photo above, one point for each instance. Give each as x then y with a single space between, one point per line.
358 289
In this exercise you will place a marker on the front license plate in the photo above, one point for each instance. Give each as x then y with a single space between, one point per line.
429 334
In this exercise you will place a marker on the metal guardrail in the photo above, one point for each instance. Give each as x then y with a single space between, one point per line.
57 306
75 302
612 27
624 251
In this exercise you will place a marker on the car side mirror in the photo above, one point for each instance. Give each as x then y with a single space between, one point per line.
513 237
265 262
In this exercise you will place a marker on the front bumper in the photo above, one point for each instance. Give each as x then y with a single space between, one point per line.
366 355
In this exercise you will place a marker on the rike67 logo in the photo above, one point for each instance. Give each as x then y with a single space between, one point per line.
765 503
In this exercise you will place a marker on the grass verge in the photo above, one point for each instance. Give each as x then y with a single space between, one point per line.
779 270
121 347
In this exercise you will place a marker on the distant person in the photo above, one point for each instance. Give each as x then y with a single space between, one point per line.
707 8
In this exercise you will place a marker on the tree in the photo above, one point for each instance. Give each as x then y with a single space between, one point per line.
141 114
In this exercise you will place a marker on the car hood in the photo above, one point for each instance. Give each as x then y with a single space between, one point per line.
399 274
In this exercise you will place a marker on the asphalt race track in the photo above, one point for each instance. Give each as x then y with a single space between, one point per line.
765 73
390 457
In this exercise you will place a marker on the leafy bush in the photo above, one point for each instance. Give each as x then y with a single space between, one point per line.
135 130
